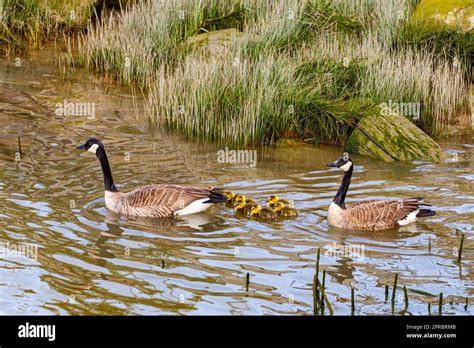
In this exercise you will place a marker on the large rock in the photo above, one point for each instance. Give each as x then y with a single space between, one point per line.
439 14
390 137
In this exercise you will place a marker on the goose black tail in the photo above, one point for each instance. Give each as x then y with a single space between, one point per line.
425 212
216 196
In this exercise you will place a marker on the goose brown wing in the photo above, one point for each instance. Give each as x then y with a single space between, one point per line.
375 215
165 198
353 204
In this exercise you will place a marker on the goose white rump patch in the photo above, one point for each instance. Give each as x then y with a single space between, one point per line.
409 218
195 207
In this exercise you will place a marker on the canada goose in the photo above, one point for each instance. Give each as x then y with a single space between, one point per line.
371 214
284 210
244 207
152 200
262 213
271 201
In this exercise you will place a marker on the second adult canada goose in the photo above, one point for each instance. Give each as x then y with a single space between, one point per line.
371 214
152 200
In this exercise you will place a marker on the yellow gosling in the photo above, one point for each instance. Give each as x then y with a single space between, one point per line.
244 207
271 201
263 213
230 198
241 198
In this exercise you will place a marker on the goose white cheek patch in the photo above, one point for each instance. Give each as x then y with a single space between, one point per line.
346 166
93 148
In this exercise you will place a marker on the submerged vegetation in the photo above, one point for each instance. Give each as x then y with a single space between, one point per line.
250 71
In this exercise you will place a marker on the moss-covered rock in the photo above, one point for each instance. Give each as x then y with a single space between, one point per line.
442 14
392 137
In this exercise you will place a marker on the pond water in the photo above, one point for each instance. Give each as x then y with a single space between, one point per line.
85 260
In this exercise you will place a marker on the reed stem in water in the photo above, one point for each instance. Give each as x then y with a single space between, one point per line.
394 291
440 304
352 302
315 295
460 248
406 297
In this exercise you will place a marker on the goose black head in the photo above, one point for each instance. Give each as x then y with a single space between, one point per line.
91 145
343 162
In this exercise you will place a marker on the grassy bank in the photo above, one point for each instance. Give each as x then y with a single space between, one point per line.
304 68
308 69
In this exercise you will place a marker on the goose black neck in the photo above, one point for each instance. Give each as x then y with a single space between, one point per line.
104 162
341 193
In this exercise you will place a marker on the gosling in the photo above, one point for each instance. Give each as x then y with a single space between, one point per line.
283 210
241 198
244 207
229 198
271 201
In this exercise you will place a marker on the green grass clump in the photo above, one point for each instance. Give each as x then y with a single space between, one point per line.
332 79
141 39
447 43
288 26
256 100
22 19
221 100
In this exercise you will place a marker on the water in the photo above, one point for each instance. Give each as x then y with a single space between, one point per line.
90 261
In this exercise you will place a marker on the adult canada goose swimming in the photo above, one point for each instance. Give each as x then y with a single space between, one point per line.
371 214
152 200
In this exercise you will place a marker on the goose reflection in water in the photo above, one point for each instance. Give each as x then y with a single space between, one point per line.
118 224
350 250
